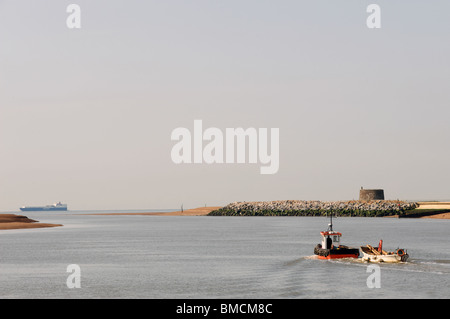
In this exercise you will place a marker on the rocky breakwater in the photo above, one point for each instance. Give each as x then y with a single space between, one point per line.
373 208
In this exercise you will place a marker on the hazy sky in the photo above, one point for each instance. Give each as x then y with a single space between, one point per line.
86 114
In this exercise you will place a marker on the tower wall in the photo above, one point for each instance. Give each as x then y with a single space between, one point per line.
371 194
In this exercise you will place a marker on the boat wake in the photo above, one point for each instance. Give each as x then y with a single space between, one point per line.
311 257
437 267
443 262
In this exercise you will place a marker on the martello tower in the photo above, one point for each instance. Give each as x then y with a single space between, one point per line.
371 194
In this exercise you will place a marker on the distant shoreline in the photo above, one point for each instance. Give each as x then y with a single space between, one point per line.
12 221
204 211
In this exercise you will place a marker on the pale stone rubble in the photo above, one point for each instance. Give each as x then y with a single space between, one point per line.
296 207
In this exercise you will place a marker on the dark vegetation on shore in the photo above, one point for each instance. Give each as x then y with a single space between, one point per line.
417 213
375 208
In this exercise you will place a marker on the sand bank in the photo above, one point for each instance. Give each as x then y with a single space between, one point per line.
12 221
439 216
200 211
433 205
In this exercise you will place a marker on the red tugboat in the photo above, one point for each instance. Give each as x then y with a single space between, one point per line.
330 248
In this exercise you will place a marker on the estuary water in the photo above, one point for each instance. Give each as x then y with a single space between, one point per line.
218 257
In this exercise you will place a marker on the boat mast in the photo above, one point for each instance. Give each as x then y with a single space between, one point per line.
330 225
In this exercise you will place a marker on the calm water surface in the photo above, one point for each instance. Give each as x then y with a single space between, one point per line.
218 257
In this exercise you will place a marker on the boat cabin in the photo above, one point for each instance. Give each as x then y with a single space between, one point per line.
330 248
330 239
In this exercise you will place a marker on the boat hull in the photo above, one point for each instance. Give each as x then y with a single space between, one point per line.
336 253
338 256
383 257
42 209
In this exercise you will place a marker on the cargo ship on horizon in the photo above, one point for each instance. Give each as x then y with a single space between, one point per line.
55 207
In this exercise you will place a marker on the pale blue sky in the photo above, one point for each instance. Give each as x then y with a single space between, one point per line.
86 115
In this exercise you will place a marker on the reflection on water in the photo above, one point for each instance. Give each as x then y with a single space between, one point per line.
217 257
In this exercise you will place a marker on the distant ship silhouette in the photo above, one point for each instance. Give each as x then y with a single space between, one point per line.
55 207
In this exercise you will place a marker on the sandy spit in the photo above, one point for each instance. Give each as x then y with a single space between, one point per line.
438 216
200 211
12 221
